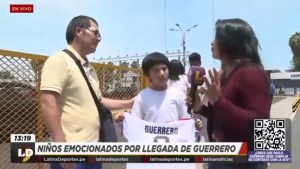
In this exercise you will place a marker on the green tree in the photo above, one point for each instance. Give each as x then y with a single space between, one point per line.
295 63
294 43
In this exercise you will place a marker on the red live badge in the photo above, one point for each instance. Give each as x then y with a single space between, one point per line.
21 8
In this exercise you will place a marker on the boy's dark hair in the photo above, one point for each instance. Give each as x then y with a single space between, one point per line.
78 21
195 57
153 59
175 69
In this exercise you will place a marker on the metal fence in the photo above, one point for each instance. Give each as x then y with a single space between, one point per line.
19 98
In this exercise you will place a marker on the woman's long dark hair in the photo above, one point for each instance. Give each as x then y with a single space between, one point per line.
237 40
175 69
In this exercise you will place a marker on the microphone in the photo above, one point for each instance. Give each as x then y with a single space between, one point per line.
196 78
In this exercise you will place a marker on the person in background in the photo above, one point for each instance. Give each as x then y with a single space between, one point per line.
272 86
177 77
195 59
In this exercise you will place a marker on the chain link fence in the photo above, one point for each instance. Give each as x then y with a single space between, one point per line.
20 111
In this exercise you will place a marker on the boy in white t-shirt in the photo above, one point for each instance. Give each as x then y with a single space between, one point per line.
160 103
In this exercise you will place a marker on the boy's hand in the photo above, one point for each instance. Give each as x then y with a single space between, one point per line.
198 124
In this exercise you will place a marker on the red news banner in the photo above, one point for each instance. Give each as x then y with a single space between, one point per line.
21 8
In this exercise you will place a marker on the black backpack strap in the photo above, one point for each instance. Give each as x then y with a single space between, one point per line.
77 61
108 133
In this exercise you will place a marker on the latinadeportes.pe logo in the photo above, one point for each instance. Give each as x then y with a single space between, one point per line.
21 8
26 153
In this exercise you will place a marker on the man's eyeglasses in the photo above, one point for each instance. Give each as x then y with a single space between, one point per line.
95 31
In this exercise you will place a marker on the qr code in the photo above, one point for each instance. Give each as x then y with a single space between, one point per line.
269 134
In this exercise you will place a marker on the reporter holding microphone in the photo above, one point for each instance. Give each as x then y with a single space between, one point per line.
240 93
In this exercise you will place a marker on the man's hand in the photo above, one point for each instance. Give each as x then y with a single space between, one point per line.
120 116
113 104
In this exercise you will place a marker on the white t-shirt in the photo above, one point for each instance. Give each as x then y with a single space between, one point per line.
160 106
138 130
182 84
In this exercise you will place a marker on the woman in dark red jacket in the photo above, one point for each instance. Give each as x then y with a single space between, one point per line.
240 93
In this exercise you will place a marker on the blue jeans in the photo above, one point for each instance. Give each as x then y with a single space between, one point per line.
78 166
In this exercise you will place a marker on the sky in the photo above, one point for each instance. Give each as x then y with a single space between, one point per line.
130 27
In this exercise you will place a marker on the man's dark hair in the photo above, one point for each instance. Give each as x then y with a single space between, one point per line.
175 69
78 21
153 59
195 57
